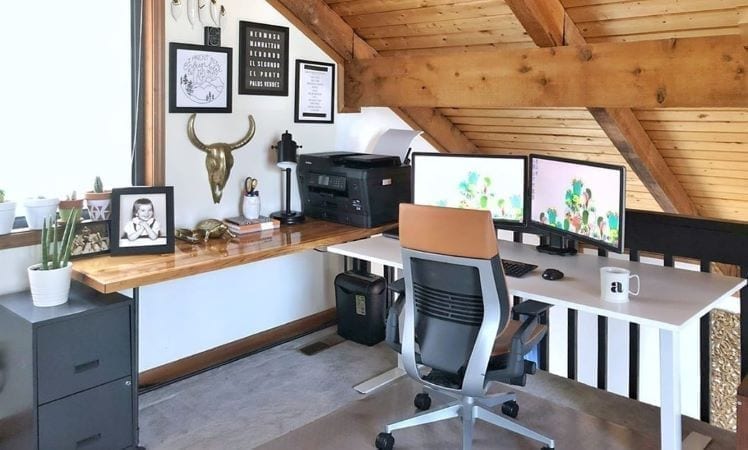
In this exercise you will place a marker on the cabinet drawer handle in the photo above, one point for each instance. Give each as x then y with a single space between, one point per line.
87 366
89 440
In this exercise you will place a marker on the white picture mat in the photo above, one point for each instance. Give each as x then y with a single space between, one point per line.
315 92
220 101
125 215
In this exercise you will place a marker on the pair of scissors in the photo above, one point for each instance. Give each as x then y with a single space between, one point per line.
250 184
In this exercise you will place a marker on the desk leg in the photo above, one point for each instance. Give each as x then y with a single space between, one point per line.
134 330
670 417
394 373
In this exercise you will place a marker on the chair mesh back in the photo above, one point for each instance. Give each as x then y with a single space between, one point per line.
449 313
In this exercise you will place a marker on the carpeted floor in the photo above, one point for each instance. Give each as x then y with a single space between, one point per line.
284 399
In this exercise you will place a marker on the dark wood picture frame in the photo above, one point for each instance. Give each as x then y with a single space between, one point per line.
183 96
91 237
310 95
263 59
126 236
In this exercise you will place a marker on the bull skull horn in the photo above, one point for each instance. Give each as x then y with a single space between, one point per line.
218 157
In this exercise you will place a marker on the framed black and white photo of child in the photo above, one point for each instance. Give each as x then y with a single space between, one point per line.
142 220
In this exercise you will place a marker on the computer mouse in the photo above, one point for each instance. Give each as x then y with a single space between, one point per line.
552 274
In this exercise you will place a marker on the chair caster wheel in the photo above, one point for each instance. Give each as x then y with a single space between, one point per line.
510 408
422 401
384 441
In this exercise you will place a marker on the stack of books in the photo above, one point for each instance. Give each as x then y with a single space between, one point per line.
242 225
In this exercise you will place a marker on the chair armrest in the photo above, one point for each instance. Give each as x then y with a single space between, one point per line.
531 308
397 286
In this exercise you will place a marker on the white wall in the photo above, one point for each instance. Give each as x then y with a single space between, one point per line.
183 317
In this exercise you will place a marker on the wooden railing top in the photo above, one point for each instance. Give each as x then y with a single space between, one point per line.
115 273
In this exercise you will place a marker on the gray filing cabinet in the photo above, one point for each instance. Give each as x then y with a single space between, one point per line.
66 372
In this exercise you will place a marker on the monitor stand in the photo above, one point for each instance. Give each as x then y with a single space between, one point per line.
558 245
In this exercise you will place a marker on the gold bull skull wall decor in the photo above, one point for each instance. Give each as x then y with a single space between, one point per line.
218 157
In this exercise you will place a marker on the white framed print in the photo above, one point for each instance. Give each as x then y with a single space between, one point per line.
315 91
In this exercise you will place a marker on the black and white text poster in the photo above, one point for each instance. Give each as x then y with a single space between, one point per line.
263 59
315 83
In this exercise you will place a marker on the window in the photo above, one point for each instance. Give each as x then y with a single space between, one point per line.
67 95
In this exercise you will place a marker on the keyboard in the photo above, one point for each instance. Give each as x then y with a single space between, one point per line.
516 269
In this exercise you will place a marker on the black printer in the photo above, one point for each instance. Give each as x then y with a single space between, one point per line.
359 189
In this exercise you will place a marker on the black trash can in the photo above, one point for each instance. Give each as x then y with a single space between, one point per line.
360 301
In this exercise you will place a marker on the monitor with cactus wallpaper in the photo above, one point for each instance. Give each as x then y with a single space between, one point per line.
578 197
483 182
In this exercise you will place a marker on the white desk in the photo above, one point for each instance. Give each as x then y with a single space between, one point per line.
669 300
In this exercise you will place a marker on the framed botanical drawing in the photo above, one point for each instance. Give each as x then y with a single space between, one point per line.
315 90
263 59
142 220
199 78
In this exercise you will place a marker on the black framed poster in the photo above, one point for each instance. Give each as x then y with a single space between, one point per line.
263 59
315 91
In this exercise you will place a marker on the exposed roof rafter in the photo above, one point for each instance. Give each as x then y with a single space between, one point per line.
547 17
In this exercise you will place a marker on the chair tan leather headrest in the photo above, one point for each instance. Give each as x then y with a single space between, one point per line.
448 231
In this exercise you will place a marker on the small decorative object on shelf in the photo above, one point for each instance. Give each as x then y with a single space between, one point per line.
251 199
204 230
7 214
218 157
99 201
242 225
50 280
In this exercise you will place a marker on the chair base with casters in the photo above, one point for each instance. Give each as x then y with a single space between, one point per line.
467 409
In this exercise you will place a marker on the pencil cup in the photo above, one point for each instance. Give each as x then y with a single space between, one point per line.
251 206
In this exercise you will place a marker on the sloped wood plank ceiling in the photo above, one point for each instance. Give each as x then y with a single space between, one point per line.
705 149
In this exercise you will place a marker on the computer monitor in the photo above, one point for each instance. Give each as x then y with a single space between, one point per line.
579 200
488 182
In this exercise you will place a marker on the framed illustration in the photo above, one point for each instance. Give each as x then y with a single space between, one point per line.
142 220
315 89
90 238
263 59
199 78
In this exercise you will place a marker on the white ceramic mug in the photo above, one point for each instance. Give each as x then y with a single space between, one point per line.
614 284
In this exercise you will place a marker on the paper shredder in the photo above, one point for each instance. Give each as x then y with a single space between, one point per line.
360 299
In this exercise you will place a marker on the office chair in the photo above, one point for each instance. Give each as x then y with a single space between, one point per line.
458 338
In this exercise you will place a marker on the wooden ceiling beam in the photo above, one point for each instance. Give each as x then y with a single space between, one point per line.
320 23
545 18
692 72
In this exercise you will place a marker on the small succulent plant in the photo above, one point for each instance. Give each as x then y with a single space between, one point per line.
2 196
56 253
98 185
72 196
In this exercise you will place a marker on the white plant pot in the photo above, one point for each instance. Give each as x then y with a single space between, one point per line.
49 287
7 216
37 209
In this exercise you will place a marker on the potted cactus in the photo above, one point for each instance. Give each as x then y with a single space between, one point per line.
49 280
38 209
99 201
70 204
7 213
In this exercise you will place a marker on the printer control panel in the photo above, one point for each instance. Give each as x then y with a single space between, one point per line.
336 182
